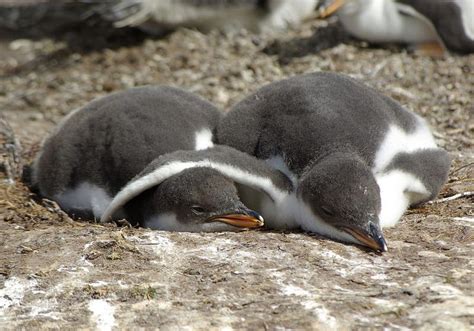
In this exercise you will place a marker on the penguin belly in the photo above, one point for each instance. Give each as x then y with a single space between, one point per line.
84 199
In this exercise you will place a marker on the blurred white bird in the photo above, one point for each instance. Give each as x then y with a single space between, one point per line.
431 25
158 16
257 15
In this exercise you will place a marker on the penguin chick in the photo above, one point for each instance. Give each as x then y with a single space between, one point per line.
343 193
205 190
198 199
100 152
357 159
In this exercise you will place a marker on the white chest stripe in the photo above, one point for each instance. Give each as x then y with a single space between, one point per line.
398 141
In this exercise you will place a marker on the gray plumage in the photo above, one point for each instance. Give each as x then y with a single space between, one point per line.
340 141
112 139
308 115
147 154
209 179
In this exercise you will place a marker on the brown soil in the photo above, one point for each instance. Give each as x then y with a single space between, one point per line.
59 273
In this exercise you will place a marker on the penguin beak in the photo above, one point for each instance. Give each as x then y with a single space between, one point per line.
331 8
244 218
372 238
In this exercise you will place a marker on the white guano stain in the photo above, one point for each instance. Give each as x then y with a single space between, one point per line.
13 292
102 314
309 300
324 316
155 240
294 290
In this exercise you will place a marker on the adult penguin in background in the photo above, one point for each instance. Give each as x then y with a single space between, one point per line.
156 16
356 157
97 150
255 15
430 25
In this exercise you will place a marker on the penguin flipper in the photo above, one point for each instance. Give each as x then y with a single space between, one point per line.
240 167
430 166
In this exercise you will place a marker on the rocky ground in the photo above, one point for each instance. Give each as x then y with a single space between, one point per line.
59 273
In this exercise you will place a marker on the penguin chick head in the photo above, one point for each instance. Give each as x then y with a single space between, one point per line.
199 199
343 196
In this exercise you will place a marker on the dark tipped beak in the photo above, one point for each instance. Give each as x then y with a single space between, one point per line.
372 238
331 8
243 218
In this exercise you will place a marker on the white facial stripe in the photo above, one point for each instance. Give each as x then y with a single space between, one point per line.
398 141
398 190
160 174
85 196
203 139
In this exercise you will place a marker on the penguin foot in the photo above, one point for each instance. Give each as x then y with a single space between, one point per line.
433 49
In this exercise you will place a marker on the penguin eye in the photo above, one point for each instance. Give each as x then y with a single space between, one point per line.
327 211
197 210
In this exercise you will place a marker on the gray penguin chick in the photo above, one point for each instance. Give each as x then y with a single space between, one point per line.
205 190
98 149
356 157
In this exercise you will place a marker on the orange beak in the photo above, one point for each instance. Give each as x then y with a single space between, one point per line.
331 9
241 220
372 239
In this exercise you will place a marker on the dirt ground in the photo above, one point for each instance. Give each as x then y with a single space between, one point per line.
58 273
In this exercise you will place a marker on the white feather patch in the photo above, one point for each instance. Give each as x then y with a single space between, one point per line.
160 174
398 190
203 139
398 141
85 196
